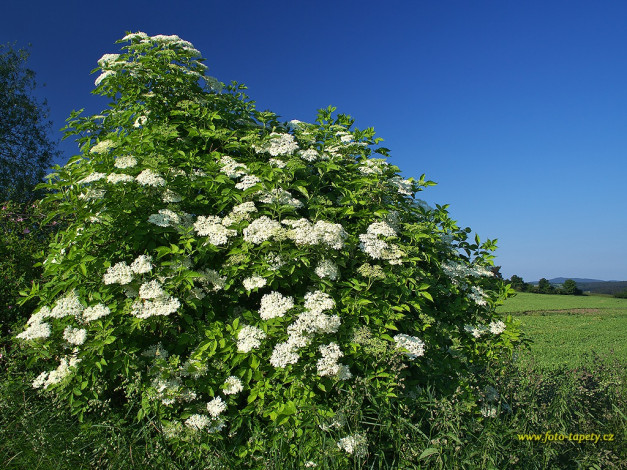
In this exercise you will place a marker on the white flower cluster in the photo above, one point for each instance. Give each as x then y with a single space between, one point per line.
414 347
66 306
95 312
107 59
497 327
254 282
247 182
262 229
277 163
231 168
284 354
279 144
476 331
478 296
115 178
142 264
127 161
75 336
45 379
211 226
239 213
311 321
95 176
249 338
165 218
103 146
303 232
281 197
372 272
36 327
376 248
328 365
232 385
459 271
373 166
327 269
403 186
309 155
216 407
151 290
275 305
119 273
355 444
150 178
162 306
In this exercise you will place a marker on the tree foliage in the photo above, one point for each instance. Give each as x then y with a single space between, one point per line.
248 280
26 149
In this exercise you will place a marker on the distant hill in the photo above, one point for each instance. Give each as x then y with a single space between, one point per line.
596 286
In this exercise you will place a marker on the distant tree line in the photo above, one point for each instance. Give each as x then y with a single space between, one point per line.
569 287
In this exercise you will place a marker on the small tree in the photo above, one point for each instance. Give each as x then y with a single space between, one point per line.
26 150
545 287
517 283
570 288
248 281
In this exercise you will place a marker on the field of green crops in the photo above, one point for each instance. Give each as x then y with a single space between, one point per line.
570 330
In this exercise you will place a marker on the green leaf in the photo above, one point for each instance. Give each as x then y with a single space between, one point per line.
427 452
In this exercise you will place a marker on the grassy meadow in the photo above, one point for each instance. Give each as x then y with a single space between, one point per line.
567 330
572 381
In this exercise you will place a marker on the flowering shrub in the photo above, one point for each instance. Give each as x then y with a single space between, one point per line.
230 273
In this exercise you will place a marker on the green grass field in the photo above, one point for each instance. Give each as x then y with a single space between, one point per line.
569 330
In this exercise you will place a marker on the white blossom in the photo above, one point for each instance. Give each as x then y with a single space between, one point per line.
115 178
66 306
248 181
103 146
497 327
274 305
310 155
95 312
150 178
279 144
249 337
254 282
151 290
216 407
355 444
211 227
231 168
127 161
34 331
119 273
327 269
414 347
75 336
142 264
95 176
232 385
158 307
261 229
283 354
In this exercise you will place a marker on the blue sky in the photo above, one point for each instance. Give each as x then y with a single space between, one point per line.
518 110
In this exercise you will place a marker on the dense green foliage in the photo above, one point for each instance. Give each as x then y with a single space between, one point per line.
26 149
250 284
24 239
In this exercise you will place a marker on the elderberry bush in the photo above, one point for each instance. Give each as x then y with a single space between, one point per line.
228 272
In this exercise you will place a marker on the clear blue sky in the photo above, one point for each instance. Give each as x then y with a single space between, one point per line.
517 109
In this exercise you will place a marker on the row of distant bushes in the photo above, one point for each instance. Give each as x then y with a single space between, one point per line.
569 287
